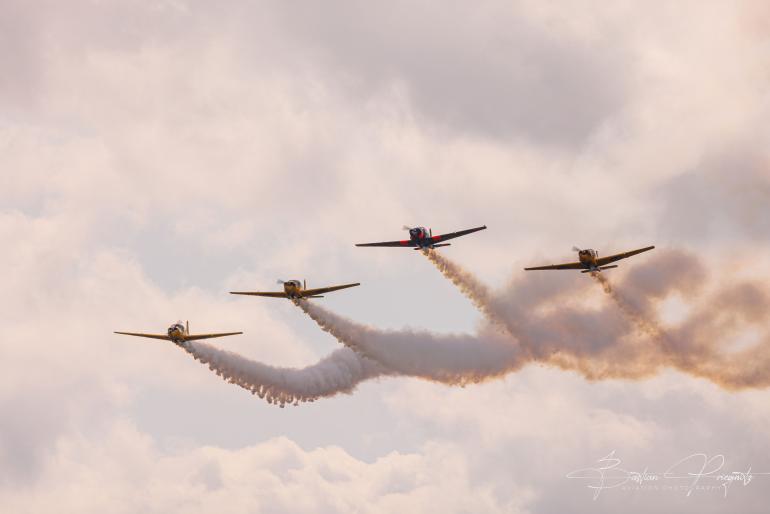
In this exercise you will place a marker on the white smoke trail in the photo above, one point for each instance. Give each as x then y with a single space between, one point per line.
599 345
339 372
471 287
643 322
544 325
456 359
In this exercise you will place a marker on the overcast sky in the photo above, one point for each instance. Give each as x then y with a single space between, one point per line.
155 155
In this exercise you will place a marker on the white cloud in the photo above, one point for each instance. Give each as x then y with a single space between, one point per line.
155 156
124 472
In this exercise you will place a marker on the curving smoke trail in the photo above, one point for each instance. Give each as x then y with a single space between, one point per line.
546 321
471 287
599 344
643 322
339 372
455 359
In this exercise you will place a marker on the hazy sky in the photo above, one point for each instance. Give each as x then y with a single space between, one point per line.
155 155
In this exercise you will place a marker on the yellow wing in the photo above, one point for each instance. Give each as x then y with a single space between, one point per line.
321 290
259 293
612 258
151 336
209 336
571 265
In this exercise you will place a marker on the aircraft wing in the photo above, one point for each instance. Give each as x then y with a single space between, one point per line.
405 243
452 235
571 265
259 293
612 258
436 239
151 336
322 290
209 336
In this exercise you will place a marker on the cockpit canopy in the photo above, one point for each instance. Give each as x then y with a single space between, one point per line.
418 232
295 283
588 252
178 326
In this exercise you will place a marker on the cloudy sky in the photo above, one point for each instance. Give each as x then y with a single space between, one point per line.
155 155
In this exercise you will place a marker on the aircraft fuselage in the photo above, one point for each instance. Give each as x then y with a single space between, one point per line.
293 288
423 238
588 258
177 332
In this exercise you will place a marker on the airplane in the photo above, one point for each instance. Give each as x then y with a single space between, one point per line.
296 290
179 334
589 260
421 238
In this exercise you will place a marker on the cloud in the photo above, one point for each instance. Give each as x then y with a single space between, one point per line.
726 199
503 72
155 155
273 476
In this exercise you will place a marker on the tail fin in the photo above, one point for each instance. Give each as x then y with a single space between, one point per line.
187 326
304 284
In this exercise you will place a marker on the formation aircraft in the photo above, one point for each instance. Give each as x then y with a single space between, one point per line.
179 334
589 260
421 238
296 290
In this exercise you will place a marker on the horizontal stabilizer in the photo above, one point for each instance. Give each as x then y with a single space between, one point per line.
433 246
601 268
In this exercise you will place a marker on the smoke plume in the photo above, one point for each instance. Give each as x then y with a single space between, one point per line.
550 326
643 322
553 319
339 372
455 359
477 292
